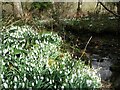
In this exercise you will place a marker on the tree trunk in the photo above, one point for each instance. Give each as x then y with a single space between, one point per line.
18 9
1 43
0 15
118 12
118 8
79 11
117 15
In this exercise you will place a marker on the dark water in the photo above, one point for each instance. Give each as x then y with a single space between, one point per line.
104 51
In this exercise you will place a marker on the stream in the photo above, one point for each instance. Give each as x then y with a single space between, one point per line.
104 51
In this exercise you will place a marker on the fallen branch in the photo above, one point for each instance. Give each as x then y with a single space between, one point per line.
85 47
117 15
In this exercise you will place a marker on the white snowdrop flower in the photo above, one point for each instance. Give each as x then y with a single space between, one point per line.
23 45
20 69
64 68
5 85
68 71
98 79
15 86
73 75
46 42
42 78
36 81
7 81
53 81
55 87
6 57
3 63
60 79
73 64
2 76
66 80
62 87
27 62
23 85
27 69
35 52
90 25
3 80
24 75
89 82
38 77
42 45
50 70
15 79
32 83
60 72
64 84
71 80
25 78
50 82
5 50
63 63
16 64
34 77
20 84
47 79
18 77
20 48
78 71
30 69
67 77
11 82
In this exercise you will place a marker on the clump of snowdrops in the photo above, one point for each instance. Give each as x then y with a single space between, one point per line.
34 60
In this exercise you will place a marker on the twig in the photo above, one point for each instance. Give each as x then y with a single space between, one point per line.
8 19
85 47
12 23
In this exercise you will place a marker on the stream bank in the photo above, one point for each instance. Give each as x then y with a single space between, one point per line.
103 50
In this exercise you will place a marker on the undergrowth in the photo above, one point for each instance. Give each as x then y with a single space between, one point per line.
35 60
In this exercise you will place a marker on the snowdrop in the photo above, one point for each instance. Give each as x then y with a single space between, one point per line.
15 86
23 85
3 63
62 87
25 79
53 81
71 81
15 79
36 81
89 82
16 64
33 64
5 85
3 80
47 79
34 77
30 68
50 82
2 76
55 87
5 50
42 78
60 72
27 69
60 79
37 57
32 83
